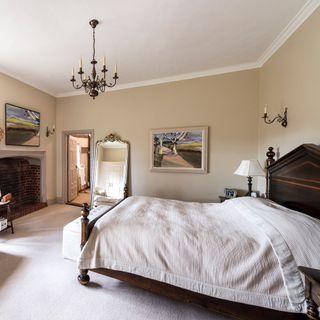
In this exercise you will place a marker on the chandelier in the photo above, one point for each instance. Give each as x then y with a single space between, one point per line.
93 84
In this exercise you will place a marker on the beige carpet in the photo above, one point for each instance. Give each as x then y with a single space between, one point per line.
36 283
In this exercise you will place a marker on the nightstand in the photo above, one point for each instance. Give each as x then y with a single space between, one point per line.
312 277
223 198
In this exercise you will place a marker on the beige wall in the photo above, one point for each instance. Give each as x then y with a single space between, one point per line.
291 78
20 94
226 103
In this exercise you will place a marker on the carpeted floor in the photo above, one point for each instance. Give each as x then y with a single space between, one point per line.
36 283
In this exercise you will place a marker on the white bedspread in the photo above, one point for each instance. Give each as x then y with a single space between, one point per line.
245 249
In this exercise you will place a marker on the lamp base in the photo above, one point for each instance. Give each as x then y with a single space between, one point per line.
249 186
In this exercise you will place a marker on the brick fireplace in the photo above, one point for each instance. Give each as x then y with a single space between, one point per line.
21 175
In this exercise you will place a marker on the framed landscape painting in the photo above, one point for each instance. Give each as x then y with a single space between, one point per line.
179 149
22 126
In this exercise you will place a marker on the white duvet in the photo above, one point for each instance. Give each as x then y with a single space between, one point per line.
245 249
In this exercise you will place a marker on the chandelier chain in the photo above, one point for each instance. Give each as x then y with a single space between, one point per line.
94 44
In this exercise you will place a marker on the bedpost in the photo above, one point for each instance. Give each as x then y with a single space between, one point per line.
84 224
270 159
126 191
83 277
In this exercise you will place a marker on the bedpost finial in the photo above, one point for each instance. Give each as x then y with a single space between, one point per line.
85 210
270 155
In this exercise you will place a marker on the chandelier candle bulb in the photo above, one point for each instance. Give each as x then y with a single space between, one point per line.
72 72
265 110
80 63
104 61
115 69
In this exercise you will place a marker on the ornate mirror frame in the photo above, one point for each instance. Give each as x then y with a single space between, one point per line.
110 138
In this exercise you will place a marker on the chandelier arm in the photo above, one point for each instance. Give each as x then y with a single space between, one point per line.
103 85
81 73
104 71
89 84
76 86
111 85
102 88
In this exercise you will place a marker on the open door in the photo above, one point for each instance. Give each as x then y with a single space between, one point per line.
72 169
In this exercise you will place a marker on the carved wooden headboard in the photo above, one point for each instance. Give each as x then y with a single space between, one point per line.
294 180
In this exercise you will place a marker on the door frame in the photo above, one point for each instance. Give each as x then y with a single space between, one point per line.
64 137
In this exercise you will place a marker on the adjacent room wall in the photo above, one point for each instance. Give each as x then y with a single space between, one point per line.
226 103
23 95
291 78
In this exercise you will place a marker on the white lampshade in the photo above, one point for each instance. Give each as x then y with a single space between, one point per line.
250 168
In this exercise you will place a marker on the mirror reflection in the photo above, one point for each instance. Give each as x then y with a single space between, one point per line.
111 171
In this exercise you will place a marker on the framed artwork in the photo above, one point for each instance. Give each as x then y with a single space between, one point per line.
22 126
179 149
230 193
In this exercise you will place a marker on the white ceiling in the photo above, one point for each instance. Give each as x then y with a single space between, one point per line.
158 40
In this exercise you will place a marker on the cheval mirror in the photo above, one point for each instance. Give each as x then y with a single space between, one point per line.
110 171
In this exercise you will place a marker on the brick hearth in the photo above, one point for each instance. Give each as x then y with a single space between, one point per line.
22 179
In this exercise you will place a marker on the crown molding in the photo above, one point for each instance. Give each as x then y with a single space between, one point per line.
305 12
31 84
185 76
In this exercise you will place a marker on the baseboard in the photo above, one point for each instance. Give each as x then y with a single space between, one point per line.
55 200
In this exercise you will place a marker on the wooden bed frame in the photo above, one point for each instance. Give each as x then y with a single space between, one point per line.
293 181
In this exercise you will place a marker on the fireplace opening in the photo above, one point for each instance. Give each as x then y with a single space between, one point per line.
21 176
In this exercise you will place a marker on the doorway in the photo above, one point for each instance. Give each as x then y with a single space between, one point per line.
77 171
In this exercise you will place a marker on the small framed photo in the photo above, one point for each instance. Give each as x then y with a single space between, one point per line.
255 194
230 193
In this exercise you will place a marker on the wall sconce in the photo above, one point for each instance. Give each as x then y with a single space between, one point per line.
50 132
281 119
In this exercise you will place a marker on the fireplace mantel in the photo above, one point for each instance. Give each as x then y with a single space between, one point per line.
41 155
20 153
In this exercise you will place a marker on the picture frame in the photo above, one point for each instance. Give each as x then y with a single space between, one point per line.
180 149
230 193
255 194
22 126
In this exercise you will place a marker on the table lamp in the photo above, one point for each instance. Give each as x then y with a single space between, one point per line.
249 168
